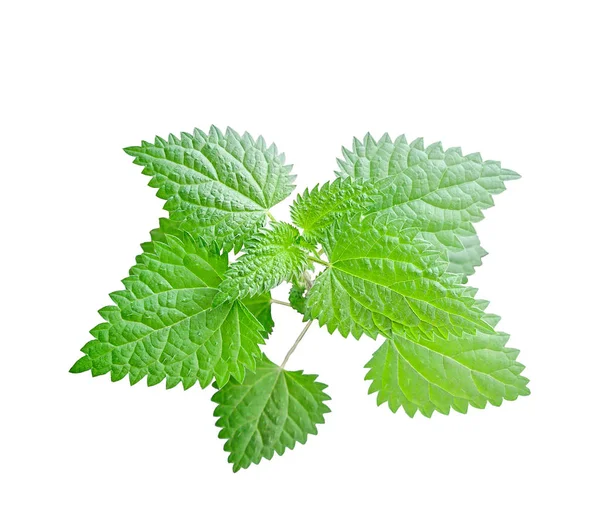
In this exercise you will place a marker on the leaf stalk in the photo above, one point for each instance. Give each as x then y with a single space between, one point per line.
298 340
280 302
319 261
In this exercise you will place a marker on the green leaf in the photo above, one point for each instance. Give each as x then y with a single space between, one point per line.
382 279
297 299
440 374
159 234
164 325
271 257
260 306
441 192
462 260
314 210
217 185
270 411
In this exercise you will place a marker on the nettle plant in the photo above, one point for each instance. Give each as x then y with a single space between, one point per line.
384 250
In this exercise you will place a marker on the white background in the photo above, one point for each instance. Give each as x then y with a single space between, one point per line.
515 81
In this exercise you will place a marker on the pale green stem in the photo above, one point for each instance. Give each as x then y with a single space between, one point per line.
307 279
298 340
319 261
280 302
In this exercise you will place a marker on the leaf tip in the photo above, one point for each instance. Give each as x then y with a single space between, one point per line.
81 365
134 151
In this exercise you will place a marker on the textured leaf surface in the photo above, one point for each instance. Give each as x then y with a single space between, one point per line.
217 185
315 210
440 374
270 411
273 256
164 325
442 192
461 260
297 299
159 234
383 279
260 306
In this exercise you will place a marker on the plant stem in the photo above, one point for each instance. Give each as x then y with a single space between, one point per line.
319 261
280 302
307 279
298 340
270 215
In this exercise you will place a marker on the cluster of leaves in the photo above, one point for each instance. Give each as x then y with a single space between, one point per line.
394 241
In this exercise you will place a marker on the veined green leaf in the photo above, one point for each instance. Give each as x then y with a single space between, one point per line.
218 186
166 227
260 306
314 210
297 299
444 373
465 259
441 192
381 278
269 412
271 257
164 325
